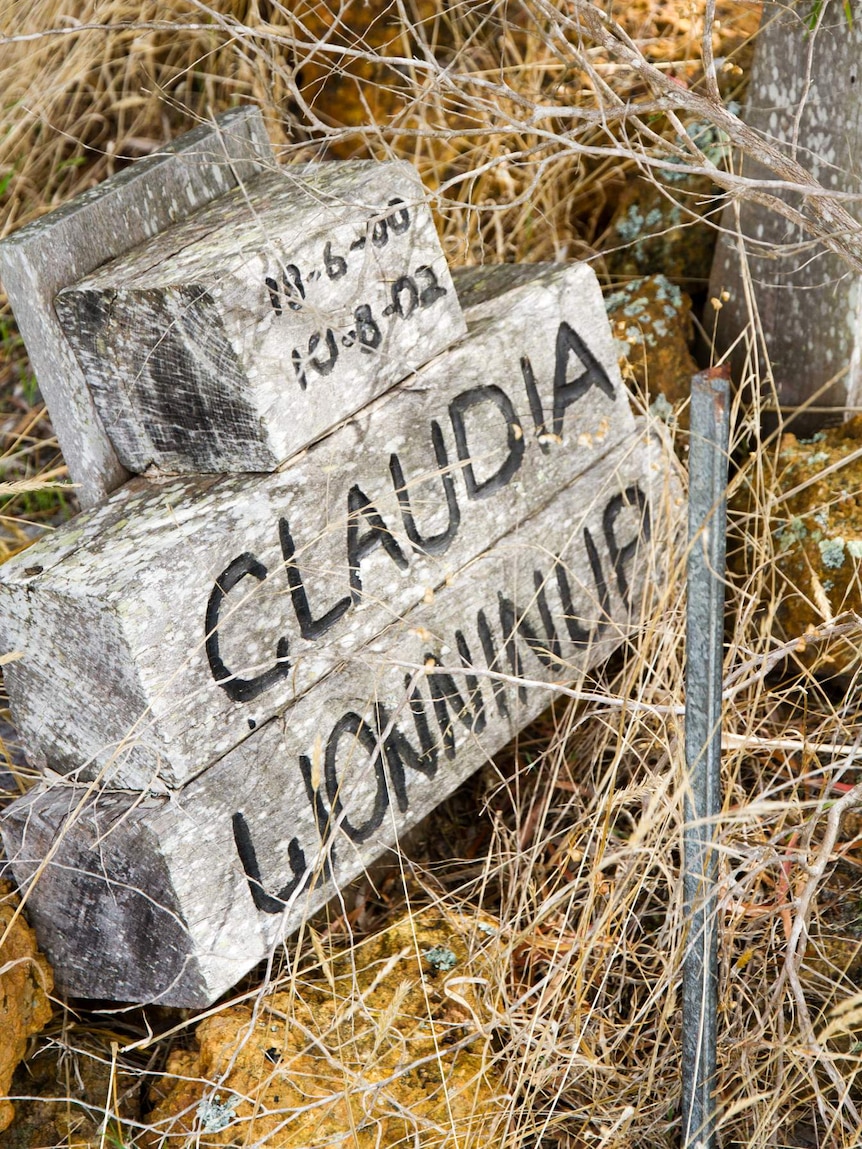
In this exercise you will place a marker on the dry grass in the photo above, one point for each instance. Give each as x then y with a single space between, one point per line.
575 858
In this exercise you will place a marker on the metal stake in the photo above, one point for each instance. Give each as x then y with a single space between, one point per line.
707 523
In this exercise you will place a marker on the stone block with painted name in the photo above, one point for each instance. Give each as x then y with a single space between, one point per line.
237 337
159 630
39 260
805 94
174 898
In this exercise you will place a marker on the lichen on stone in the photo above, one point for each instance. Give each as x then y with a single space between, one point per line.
654 231
661 409
630 225
214 1114
832 552
793 532
651 323
667 291
820 543
440 958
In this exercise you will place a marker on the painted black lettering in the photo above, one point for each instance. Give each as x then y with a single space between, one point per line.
429 544
445 696
405 296
309 626
552 640
401 754
489 650
296 359
379 233
274 297
620 556
323 366
474 691
514 622
239 689
322 816
580 636
507 623
536 409
267 903
367 330
420 721
602 590
430 290
360 735
291 279
334 265
568 391
514 437
360 543
398 221
293 287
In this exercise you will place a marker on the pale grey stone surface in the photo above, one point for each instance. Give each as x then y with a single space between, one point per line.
130 617
174 899
55 251
808 300
235 338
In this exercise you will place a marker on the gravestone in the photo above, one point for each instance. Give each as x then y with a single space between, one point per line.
289 669
808 300
55 251
235 338
173 899
159 630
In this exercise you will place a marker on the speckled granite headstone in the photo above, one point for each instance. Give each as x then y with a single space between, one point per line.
60 248
808 300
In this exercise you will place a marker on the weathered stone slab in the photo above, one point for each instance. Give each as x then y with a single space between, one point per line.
807 299
174 899
242 334
60 248
160 629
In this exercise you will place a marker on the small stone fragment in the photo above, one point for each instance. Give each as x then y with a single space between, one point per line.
651 323
25 982
441 958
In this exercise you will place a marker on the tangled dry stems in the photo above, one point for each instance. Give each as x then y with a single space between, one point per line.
524 131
